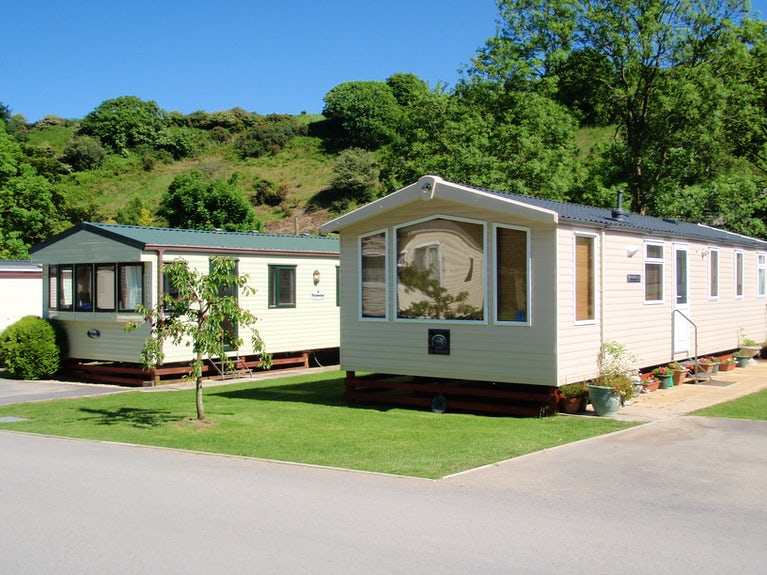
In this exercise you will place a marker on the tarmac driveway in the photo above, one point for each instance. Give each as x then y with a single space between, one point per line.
684 495
19 391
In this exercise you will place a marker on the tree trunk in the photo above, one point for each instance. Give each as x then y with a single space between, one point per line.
200 408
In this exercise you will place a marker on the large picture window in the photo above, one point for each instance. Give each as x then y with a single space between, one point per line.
511 245
440 270
585 300
282 286
373 275
653 271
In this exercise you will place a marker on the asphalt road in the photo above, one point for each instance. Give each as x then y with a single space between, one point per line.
685 495
20 391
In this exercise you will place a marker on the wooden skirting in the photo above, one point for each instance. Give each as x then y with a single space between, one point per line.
475 396
134 375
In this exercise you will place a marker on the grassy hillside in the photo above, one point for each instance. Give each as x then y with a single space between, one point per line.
303 168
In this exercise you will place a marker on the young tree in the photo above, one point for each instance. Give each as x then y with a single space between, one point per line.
200 312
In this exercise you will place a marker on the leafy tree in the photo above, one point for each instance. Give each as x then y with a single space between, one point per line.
84 153
365 113
5 113
27 210
355 175
199 312
658 50
124 123
408 89
135 213
193 203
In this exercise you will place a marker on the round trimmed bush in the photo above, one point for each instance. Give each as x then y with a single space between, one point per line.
29 350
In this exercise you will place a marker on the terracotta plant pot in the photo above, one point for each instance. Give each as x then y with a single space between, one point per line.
679 376
727 366
650 385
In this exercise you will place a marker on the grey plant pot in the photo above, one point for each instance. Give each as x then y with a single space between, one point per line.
605 400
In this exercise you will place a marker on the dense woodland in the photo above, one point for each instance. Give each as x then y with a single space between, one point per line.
570 100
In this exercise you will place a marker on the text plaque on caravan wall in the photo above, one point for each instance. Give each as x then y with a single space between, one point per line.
633 278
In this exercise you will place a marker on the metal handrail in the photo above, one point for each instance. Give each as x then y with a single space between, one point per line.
696 363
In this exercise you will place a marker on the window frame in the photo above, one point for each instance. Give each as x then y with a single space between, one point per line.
761 274
739 269
96 304
63 284
387 274
393 278
593 272
53 287
655 261
528 321
121 289
275 286
713 273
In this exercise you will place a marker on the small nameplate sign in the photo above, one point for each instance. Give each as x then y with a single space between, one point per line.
633 278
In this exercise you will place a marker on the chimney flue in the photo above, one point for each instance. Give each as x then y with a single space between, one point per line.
618 213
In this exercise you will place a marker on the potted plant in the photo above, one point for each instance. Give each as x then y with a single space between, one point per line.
679 372
727 363
650 384
747 345
573 397
742 358
615 383
708 365
664 375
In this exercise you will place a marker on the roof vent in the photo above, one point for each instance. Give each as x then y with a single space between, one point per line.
618 214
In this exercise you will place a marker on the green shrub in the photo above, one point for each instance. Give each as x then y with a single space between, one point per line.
29 350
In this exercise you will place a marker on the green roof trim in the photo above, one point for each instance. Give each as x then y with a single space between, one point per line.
143 237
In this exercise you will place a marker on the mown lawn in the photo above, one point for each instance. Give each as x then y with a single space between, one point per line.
304 419
752 406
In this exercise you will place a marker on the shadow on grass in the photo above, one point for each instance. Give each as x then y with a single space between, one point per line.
141 418
329 393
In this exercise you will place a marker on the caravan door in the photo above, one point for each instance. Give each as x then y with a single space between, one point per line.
681 300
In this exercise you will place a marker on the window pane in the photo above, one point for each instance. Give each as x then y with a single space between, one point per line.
105 287
282 286
739 274
373 269
713 273
84 287
53 280
131 286
654 251
439 270
65 288
584 278
653 290
511 246
681 276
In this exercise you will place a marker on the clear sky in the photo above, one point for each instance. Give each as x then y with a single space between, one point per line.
65 57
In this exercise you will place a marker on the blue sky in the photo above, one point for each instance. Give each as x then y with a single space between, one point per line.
66 57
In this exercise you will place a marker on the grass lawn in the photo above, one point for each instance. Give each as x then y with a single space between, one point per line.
305 419
752 406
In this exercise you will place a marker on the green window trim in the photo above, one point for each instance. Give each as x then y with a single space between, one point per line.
282 286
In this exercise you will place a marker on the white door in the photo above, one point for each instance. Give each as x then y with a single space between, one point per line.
681 300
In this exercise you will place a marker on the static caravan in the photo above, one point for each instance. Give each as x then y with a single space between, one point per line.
96 275
21 284
442 280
